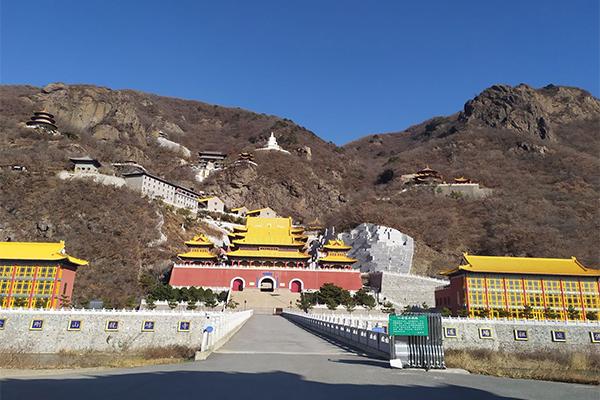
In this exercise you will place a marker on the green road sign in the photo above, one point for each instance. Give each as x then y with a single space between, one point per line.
408 325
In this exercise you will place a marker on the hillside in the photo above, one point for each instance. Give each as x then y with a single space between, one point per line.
536 148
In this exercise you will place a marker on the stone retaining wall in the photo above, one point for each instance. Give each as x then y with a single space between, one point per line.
58 332
470 332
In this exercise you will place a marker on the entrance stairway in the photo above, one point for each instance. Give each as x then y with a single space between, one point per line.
264 302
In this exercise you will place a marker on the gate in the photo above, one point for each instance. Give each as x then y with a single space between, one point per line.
416 341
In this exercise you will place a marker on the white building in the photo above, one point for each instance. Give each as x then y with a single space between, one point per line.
266 212
272 145
213 203
85 165
155 187
240 211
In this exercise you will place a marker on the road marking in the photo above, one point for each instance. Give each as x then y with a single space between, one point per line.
298 353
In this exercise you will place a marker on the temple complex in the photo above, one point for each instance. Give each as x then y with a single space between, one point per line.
269 254
36 274
272 145
544 288
267 242
336 255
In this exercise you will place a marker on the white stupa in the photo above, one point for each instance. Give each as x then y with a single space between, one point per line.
272 145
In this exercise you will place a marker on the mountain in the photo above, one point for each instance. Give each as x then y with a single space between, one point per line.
536 148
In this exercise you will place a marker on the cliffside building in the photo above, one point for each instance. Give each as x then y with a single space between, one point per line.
208 162
240 211
213 204
155 187
548 288
36 275
266 254
85 165
266 212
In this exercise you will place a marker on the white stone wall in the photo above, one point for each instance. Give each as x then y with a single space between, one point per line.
380 248
578 334
408 290
54 336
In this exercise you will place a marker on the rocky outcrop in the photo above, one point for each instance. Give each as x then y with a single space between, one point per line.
527 110
380 248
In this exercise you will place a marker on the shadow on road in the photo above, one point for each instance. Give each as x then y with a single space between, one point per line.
222 386
363 361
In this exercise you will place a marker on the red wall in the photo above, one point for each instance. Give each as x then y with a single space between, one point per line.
451 296
68 278
222 277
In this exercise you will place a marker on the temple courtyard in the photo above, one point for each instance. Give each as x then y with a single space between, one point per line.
271 358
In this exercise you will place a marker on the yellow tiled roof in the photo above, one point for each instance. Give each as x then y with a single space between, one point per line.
205 199
197 254
199 240
239 208
268 254
524 265
342 259
42 251
336 245
269 231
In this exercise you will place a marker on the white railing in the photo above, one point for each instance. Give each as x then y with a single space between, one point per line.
363 338
222 327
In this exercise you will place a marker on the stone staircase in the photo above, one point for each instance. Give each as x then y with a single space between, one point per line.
264 302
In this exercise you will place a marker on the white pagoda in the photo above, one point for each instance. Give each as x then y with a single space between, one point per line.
272 145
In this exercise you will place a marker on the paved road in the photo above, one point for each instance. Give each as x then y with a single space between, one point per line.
270 358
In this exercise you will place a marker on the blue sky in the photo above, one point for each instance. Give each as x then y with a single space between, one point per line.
343 69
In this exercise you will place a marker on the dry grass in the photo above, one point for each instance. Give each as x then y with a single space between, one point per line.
91 359
578 367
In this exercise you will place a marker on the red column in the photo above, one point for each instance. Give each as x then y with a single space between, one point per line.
33 282
54 287
505 294
467 294
12 284
581 299
543 295
487 301
564 303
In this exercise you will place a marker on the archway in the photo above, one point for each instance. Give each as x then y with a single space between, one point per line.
237 284
266 284
296 286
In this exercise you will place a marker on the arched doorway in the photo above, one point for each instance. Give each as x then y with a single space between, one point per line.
237 285
295 286
267 284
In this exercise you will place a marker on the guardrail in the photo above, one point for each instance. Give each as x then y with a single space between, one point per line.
373 343
223 327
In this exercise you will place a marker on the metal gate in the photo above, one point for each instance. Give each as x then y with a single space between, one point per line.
419 351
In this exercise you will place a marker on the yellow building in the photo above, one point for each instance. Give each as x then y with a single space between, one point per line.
266 242
522 287
336 255
36 275
199 251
